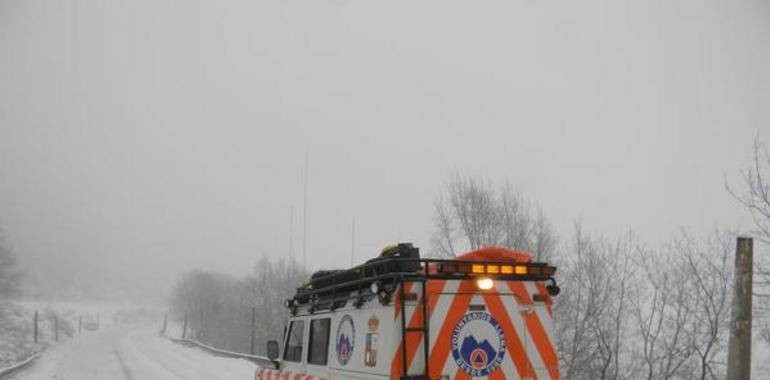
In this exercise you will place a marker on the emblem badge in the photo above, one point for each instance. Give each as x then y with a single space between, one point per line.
346 337
370 349
478 344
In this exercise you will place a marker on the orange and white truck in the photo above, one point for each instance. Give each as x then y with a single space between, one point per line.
485 314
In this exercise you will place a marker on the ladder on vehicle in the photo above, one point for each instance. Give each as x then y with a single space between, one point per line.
424 330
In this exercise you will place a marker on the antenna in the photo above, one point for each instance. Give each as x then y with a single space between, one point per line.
304 212
353 242
291 233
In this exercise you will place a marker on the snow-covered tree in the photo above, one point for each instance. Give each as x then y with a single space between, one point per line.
471 214
9 273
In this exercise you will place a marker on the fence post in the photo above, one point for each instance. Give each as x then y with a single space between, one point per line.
55 327
739 354
36 327
184 327
165 324
253 323
80 324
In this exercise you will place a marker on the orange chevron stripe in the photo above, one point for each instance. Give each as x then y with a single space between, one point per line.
461 375
395 364
458 308
548 301
515 348
497 375
397 299
434 287
537 332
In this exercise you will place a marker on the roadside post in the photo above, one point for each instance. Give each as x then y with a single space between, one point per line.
36 327
253 322
739 354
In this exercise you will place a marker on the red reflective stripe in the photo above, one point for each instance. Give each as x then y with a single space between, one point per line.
458 308
537 331
515 347
413 342
397 300
395 364
497 374
548 301
461 375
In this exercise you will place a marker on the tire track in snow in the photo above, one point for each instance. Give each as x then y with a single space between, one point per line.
126 371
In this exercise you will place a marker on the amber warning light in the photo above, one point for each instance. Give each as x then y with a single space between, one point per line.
532 269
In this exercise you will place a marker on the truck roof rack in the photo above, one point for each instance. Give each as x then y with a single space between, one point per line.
328 290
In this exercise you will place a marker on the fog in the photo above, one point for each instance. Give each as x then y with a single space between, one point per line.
140 139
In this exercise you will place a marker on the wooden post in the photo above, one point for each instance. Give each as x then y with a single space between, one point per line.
36 326
165 324
55 327
739 354
184 327
253 323
80 324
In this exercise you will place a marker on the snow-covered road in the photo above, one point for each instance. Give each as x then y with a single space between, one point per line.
131 354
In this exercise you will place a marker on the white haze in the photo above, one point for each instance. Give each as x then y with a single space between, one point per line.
139 139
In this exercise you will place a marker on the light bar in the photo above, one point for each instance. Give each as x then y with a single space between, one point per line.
531 269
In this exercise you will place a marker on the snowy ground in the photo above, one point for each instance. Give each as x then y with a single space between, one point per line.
132 354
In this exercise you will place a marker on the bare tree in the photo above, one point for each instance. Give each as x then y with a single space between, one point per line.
472 215
571 314
476 210
10 276
756 193
755 196
219 307
592 319
662 313
445 233
707 265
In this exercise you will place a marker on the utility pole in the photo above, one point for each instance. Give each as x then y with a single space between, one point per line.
165 324
739 355
304 212
253 325
353 242
184 327
291 233
36 327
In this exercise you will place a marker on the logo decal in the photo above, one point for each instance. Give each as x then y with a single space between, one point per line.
346 337
478 344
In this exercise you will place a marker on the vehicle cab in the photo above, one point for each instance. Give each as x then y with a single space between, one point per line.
485 314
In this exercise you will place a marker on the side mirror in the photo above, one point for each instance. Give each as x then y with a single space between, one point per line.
272 349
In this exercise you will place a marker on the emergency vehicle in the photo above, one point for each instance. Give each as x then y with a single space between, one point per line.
485 314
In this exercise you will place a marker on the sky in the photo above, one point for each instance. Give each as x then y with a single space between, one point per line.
140 139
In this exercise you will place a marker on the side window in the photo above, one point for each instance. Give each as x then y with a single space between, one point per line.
293 350
319 341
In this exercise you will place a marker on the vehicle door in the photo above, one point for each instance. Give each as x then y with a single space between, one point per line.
318 347
293 360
